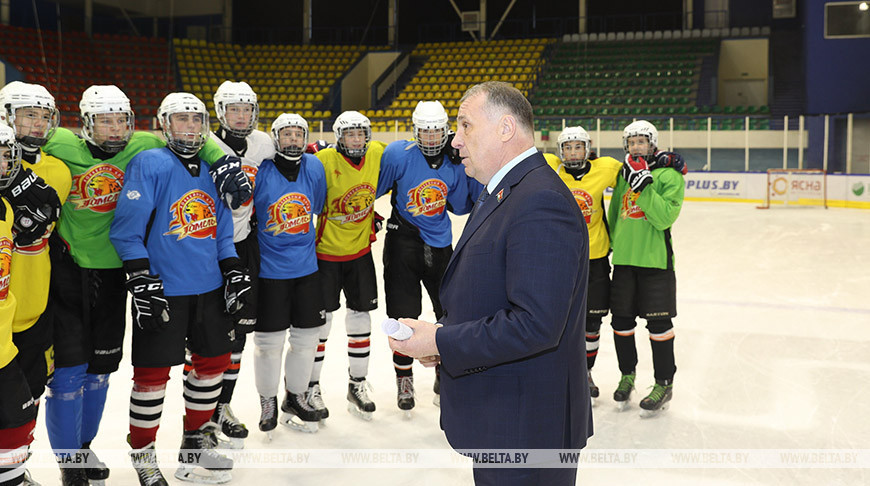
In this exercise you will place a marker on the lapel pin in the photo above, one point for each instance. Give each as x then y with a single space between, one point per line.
499 195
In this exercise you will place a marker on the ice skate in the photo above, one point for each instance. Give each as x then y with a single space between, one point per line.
358 402
73 476
315 399
95 469
199 462
437 389
657 401
233 431
268 415
145 463
298 413
405 398
593 388
623 391
28 480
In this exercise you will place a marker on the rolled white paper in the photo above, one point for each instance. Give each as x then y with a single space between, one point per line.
396 329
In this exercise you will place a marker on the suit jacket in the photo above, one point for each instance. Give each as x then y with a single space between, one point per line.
513 353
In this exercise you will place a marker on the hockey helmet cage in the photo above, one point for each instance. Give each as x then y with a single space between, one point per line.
10 156
98 100
347 121
17 95
186 143
290 120
641 127
229 93
430 116
574 134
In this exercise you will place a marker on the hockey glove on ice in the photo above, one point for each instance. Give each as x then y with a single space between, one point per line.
672 160
635 170
150 307
448 150
35 206
232 184
237 286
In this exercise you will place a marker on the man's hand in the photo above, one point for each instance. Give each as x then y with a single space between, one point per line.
430 361
150 307
230 180
672 160
635 170
422 344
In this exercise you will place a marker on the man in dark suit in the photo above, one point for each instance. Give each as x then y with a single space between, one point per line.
511 342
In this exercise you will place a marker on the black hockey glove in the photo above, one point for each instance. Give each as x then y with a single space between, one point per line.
448 150
635 170
379 222
237 285
35 206
244 326
150 307
672 160
232 184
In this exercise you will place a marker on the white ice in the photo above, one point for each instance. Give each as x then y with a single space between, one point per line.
772 347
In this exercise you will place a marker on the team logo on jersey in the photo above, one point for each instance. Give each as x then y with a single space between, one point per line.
629 208
251 172
584 200
429 198
5 265
354 205
289 214
97 189
193 215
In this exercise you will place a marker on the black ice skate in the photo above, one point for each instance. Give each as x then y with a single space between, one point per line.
145 463
95 469
298 413
233 431
268 415
405 398
358 402
623 391
593 388
657 401
73 476
315 399
199 462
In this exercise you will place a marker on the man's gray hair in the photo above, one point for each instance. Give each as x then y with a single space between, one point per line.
503 96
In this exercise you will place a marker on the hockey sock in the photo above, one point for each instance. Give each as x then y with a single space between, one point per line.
593 333
146 404
623 341
230 377
661 339
403 364
14 446
359 331
188 364
202 389
267 361
63 408
95 390
321 349
300 358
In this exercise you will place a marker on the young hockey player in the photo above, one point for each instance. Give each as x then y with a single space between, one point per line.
289 191
645 204
425 184
171 234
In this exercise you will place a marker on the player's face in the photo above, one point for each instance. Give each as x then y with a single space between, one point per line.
239 115
475 133
354 138
185 126
574 151
639 145
431 137
5 160
32 122
291 137
111 127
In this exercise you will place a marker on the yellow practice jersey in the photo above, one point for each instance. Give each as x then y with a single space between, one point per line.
589 194
7 298
31 267
346 226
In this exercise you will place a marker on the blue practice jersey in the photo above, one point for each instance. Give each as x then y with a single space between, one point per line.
421 194
285 218
190 230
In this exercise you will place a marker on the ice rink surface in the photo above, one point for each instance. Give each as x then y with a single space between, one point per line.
772 348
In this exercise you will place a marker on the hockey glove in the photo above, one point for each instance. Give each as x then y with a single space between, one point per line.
379 222
150 307
448 150
237 286
672 160
244 326
635 170
35 206
232 184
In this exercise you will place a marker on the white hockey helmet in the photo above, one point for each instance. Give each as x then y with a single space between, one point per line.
17 95
430 116
290 120
574 134
640 127
347 121
99 100
229 93
184 143
10 156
